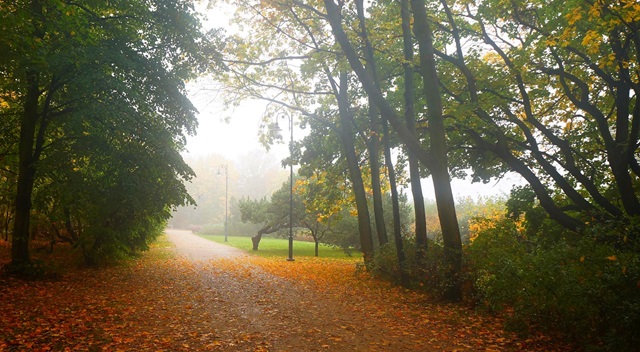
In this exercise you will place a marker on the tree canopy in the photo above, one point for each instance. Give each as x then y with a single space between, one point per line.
95 115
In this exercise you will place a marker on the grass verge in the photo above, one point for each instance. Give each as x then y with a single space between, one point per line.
278 247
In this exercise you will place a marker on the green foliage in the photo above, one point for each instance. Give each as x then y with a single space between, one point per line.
274 214
338 229
344 231
427 274
33 270
102 245
385 264
523 207
583 288
106 118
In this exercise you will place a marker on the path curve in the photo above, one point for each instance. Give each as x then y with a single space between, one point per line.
195 248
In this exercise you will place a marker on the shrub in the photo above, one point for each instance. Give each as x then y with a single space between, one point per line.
106 245
33 270
583 288
427 274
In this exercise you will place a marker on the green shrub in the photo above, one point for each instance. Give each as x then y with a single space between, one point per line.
107 245
33 270
583 288
385 265
427 274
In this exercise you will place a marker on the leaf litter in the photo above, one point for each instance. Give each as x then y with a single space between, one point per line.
165 302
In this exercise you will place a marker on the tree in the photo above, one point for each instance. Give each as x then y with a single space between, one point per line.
552 98
410 119
265 72
438 145
325 197
257 212
374 141
436 160
273 215
88 83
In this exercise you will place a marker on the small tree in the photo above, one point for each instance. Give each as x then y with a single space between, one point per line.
274 215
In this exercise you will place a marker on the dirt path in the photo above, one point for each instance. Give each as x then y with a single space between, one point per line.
258 311
196 248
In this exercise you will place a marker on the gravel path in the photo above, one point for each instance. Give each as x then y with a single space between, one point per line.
196 248
251 310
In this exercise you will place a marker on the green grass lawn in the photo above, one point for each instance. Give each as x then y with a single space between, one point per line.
279 247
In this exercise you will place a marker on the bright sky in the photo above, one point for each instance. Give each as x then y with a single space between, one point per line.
230 133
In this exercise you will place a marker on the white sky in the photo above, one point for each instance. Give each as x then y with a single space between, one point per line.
229 133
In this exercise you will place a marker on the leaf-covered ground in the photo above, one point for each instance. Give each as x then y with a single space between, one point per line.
165 301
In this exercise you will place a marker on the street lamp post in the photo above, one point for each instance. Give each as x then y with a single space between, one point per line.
290 187
226 198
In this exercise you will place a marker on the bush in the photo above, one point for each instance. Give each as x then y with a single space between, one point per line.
427 274
102 245
33 270
587 290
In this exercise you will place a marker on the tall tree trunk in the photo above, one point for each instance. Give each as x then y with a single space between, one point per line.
444 196
621 159
388 112
439 168
376 188
409 115
29 148
374 140
397 229
26 173
346 135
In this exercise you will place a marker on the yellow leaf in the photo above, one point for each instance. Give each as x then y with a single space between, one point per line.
591 41
574 16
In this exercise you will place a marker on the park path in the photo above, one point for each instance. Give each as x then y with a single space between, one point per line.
196 248
251 310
